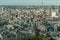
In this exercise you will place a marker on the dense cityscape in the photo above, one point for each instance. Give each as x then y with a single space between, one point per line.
28 21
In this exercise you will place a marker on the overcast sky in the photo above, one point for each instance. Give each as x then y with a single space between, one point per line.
29 2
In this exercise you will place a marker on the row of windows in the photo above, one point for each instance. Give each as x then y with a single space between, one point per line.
52 29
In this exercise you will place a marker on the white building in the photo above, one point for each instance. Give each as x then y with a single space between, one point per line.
54 13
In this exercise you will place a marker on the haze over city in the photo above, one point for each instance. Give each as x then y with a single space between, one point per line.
29 2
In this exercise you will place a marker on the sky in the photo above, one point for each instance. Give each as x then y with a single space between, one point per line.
29 2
